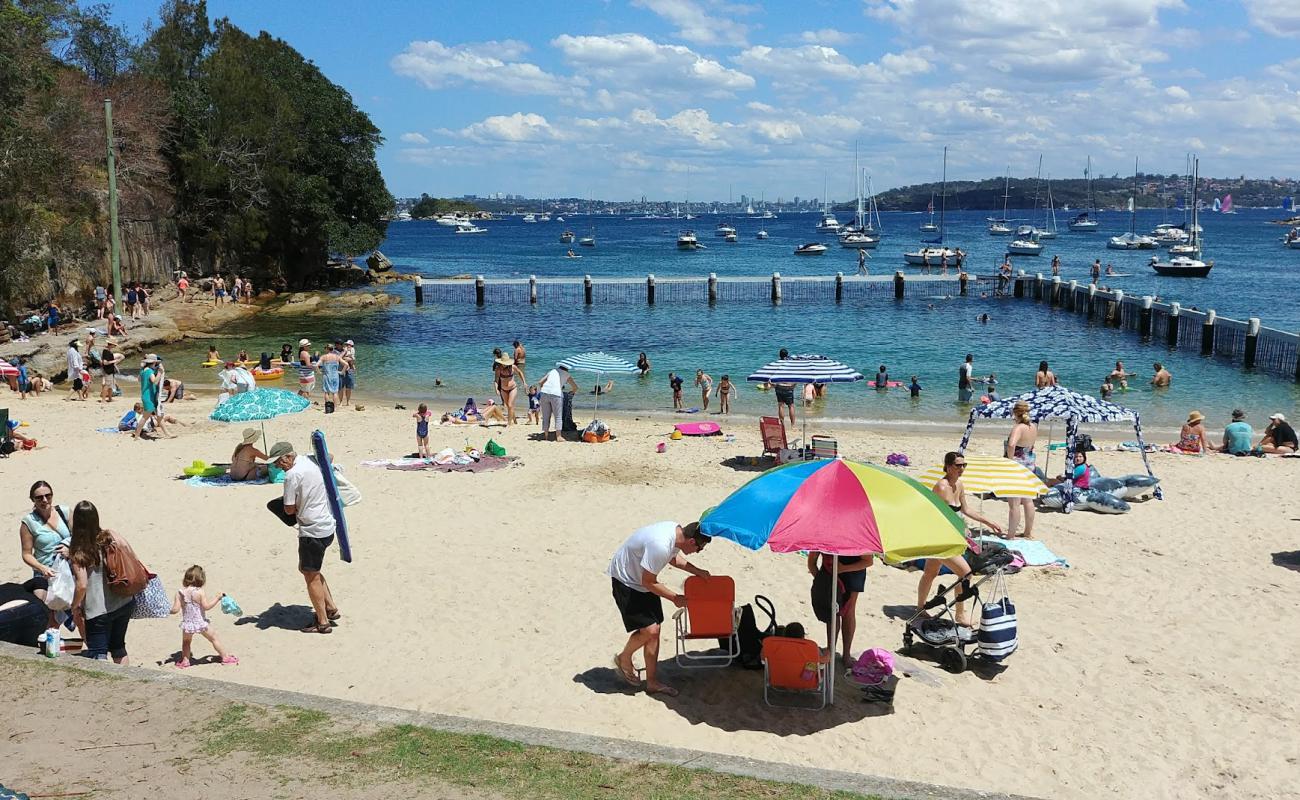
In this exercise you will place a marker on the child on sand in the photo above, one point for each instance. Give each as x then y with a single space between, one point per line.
724 391
534 406
422 417
193 606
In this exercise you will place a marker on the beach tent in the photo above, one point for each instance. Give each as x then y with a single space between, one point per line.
600 364
840 508
1058 402
805 368
259 404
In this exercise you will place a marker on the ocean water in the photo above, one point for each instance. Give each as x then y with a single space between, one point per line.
404 349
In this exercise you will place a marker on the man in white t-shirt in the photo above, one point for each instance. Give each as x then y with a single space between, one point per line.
307 503
75 365
550 393
634 574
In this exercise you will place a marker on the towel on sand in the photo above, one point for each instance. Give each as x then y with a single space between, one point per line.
484 464
222 480
1034 552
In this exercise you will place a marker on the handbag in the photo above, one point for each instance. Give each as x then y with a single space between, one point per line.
62 587
998 634
151 602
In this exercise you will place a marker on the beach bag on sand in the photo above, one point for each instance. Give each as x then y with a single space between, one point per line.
997 634
62 587
748 639
494 449
123 573
152 601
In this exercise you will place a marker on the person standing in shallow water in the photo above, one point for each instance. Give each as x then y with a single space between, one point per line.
965 373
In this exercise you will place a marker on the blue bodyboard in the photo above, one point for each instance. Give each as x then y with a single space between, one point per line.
332 490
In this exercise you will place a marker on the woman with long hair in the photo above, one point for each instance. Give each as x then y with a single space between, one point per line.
951 491
104 613
504 371
1020 448
1044 377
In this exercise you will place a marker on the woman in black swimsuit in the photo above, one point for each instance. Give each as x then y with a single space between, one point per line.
951 491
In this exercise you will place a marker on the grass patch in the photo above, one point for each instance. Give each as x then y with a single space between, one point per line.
418 755
75 676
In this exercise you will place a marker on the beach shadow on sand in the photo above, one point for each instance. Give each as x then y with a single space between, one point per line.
748 463
731 699
289 618
1289 560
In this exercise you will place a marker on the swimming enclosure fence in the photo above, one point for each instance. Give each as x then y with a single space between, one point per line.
1247 344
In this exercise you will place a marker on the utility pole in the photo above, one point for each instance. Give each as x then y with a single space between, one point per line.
114 248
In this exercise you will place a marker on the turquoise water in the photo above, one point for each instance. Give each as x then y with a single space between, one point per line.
403 349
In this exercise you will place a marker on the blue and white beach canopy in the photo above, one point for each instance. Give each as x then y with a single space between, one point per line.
598 362
806 368
259 404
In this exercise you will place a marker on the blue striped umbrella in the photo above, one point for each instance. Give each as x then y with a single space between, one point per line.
600 363
805 368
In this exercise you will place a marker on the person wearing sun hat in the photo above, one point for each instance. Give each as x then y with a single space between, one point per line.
306 369
151 377
1193 438
1279 437
1237 435
243 462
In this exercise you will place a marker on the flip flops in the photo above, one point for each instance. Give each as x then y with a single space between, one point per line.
628 678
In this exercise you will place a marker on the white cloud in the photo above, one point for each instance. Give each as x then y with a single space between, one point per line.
828 36
626 60
490 65
1177 92
517 127
1278 17
414 138
697 24
811 64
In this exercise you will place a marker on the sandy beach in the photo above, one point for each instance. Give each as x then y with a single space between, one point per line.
1151 667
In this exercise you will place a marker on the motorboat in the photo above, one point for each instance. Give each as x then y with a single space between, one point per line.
466 227
544 218
686 241
1026 232
567 237
1083 223
731 237
1132 241
810 249
767 215
559 219
1171 235
1181 267
450 220
931 257
761 235
403 216
723 229
1024 247
1292 239
999 227
530 217
1192 249
859 241
587 241
828 223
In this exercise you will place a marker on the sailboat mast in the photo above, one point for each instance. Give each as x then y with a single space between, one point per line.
1196 166
857 185
1132 201
943 193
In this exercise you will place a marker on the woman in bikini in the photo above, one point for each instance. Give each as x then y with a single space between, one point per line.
951 491
1020 449
504 370
1192 437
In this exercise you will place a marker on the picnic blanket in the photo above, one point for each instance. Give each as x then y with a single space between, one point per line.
1034 552
484 464
222 480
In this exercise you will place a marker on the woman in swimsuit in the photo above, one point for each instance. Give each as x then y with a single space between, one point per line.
1192 437
951 490
504 369
1045 377
1020 448
243 462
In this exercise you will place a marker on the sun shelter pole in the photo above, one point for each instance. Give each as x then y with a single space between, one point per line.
835 629
1137 429
965 439
1047 462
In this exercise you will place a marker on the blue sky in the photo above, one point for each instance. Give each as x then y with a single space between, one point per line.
706 97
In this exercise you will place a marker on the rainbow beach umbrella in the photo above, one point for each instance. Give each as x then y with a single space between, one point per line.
841 508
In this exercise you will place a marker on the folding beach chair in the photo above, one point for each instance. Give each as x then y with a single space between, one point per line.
793 667
709 615
824 447
773 433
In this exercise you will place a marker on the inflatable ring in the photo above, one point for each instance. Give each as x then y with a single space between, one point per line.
272 374
210 363
202 470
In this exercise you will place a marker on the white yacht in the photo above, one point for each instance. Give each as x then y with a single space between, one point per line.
999 226
810 249
762 234
723 229
403 216
1024 247
686 241
859 241
587 241
932 252
930 227
1292 239
828 223
450 220
1132 240
466 227
530 217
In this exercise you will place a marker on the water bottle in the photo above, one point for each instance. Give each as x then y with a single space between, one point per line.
52 643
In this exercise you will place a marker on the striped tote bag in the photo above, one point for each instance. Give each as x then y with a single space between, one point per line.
997 634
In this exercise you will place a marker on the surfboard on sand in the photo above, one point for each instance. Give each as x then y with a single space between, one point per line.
332 491
699 428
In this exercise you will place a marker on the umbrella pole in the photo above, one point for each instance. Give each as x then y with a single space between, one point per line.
835 629
1047 462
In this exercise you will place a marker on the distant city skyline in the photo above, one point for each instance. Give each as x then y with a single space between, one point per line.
678 98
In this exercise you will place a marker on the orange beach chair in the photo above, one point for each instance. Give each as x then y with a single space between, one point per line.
709 615
793 666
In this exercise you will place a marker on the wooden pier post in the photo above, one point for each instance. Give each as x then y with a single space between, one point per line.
1074 295
586 289
1018 290
776 288
1252 341
1092 298
419 290
713 288
1115 314
1144 317
1207 333
1055 290
962 280
1039 291
480 291
839 287
899 284
650 289
532 289
1175 319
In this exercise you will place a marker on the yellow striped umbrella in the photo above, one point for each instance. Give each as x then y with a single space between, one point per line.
992 475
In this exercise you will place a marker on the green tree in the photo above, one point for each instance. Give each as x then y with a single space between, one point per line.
98 47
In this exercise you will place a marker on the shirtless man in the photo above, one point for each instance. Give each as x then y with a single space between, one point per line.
1161 377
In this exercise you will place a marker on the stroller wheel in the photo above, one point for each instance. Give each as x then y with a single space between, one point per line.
907 641
953 660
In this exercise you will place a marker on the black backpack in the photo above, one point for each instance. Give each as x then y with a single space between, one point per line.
748 639
820 594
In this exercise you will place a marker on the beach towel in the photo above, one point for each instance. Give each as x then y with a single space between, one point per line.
111 430
484 464
1034 552
693 410
1134 447
222 480
699 428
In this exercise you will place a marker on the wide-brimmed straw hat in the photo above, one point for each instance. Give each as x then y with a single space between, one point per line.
251 435
304 342
1195 417
506 361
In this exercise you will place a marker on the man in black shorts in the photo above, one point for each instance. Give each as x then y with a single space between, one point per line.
634 574
306 504
784 393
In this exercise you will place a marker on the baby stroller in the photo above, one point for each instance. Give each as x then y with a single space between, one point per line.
940 634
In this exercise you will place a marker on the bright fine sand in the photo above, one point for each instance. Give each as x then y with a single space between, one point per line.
1161 664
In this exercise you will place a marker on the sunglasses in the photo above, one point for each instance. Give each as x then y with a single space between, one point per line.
39 497
960 465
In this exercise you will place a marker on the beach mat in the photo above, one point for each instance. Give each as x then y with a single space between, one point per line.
484 464
219 481
1034 552
706 428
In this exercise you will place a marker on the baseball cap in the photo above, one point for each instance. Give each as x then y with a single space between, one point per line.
1277 417
279 450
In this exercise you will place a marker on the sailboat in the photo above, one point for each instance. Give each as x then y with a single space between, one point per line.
1218 204
1048 231
1083 223
1182 265
828 223
934 256
999 227
859 234
1132 240
930 227
1227 205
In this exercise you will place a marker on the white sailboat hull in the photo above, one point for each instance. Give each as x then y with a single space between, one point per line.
931 256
